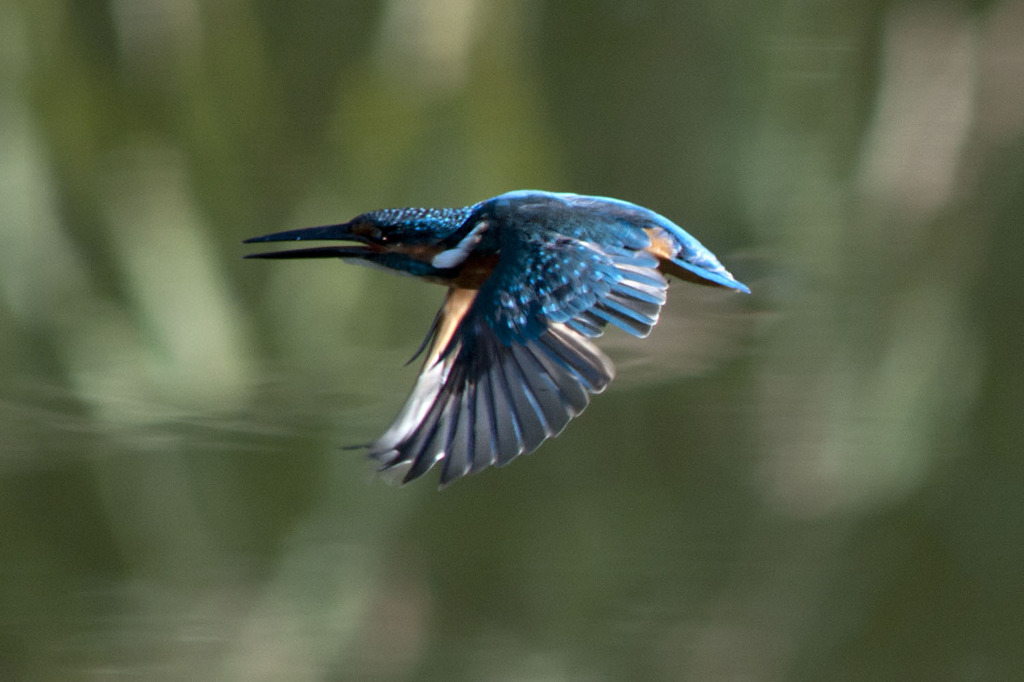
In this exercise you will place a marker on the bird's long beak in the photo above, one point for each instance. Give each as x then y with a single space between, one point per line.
340 232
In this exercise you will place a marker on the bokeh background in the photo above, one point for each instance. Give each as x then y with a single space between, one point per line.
821 481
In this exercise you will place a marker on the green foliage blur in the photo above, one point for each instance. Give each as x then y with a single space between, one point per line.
820 481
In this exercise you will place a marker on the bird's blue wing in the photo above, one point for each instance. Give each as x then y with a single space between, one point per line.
545 277
605 220
510 365
685 257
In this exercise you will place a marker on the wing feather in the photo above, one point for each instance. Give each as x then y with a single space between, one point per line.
553 408
621 320
508 429
572 393
458 452
588 364
486 436
527 412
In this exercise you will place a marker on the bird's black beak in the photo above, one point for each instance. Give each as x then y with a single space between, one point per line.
340 232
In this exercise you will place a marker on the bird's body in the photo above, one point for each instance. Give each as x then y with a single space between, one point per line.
532 276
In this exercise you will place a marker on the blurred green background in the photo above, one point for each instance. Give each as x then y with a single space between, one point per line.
821 481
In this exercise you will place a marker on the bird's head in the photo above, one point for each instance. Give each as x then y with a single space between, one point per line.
405 240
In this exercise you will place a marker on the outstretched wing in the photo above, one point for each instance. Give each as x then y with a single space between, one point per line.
680 253
509 365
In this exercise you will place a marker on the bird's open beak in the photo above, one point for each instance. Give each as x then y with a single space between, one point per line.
341 232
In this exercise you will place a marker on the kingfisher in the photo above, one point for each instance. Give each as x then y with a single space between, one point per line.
531 277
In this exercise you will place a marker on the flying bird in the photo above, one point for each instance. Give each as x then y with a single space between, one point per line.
532 276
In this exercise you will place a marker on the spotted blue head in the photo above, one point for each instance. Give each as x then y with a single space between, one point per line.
404 240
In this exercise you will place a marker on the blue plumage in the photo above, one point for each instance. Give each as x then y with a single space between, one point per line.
419 225
531 277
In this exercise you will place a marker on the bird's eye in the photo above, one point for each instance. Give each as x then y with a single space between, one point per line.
368 230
